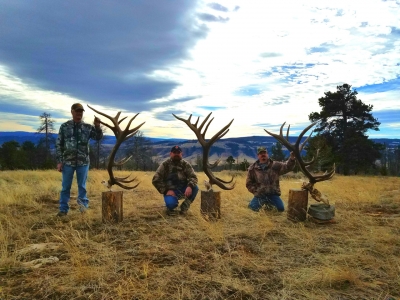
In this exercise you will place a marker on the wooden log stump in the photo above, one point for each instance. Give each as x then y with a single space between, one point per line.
112 206
211 204
297 205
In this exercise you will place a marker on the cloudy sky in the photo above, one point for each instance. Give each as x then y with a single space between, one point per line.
259 62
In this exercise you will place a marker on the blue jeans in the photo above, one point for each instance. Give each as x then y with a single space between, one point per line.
269 200
67 176
171 202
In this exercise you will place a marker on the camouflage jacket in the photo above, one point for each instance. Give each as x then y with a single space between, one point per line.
72 145
265 181
172 175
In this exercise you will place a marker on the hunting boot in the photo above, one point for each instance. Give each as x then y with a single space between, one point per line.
171 212
185 206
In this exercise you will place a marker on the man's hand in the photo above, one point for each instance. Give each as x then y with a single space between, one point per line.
170 193
188 192
96 121
59 167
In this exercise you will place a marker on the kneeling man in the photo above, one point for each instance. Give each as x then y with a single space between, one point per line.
263 180
176 179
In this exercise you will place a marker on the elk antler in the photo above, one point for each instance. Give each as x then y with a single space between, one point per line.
297 148
121 135
206 148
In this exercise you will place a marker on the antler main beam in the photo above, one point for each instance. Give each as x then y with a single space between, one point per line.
206 145
121 135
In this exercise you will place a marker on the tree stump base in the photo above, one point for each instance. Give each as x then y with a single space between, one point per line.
210 206
112 206
297 205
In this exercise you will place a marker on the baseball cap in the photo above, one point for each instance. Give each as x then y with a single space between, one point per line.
176 148
261 149
77 106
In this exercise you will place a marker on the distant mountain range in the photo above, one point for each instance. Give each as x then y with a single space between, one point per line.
240 148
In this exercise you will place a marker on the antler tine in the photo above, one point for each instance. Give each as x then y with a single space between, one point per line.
221 133
204 121
131 135
214 164
110 127
225 181
194 128
127 187
282 140
130 121
305 142
312 160
122 161
303 133
120 121
124 180
132 132
206 147
281 128
205 129
114 120
325 176
287 132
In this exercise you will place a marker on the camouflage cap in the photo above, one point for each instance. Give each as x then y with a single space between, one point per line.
77 106
176 148
261 149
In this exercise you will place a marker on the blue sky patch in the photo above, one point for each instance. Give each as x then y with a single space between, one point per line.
250 90
390 85
212 108
387 116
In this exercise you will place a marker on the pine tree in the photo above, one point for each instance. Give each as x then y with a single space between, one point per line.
343 122
46 127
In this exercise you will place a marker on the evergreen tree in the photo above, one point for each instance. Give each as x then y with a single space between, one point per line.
199 163
325 159
343 122
10 156
141 150
29 155
277 152
46 127
244 165
230 160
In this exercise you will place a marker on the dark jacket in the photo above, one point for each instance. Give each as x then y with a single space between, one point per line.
261 182
172 175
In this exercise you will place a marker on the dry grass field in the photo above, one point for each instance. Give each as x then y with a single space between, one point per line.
244 255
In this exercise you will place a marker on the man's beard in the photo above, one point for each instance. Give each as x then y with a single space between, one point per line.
176 158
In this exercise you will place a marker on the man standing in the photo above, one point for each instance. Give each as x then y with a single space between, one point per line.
263 180
176 179
72 151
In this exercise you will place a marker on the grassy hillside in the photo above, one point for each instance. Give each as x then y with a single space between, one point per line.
244 255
